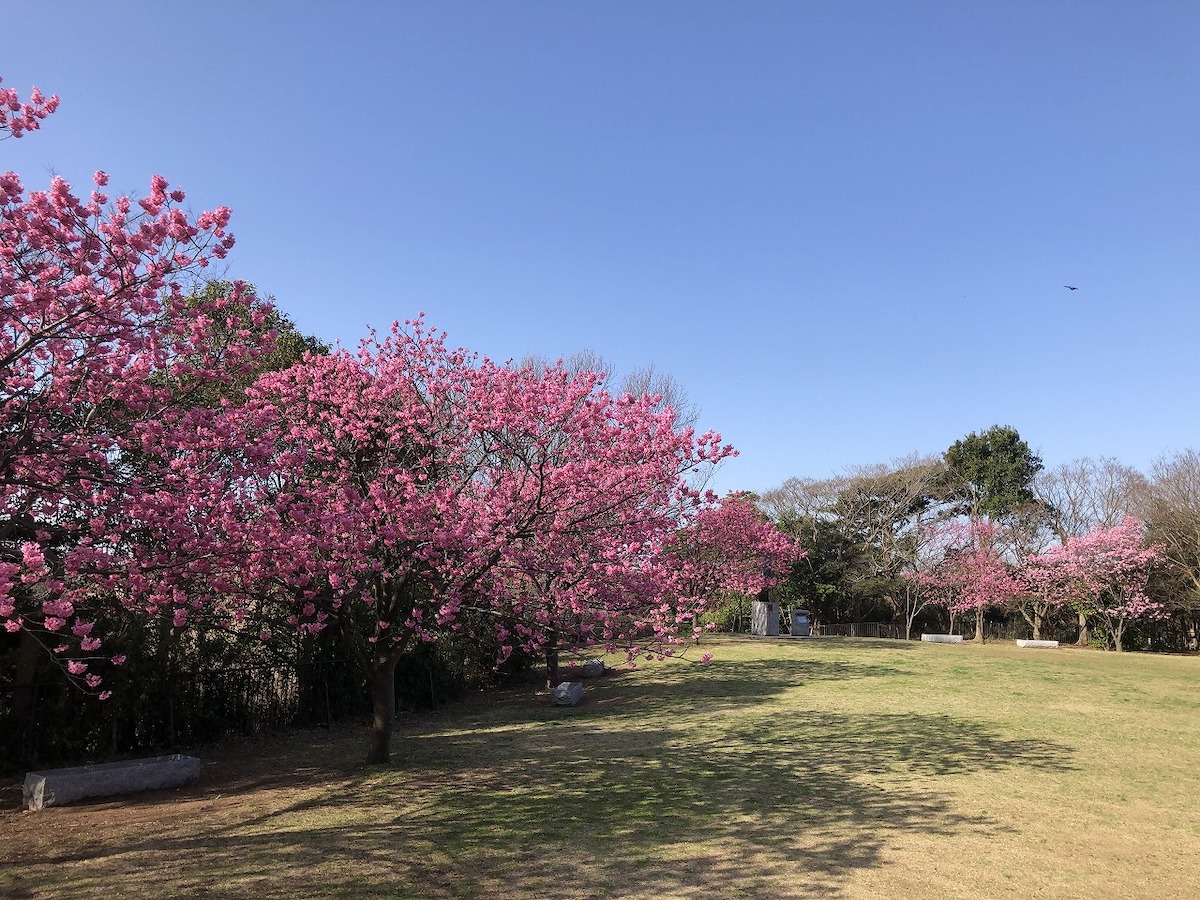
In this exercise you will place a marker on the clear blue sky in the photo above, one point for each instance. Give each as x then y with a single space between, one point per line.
843 226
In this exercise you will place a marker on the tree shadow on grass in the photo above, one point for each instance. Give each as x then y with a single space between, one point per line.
786 807
843 644
819 796
723 685
668 791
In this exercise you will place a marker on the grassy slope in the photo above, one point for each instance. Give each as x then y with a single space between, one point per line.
855 769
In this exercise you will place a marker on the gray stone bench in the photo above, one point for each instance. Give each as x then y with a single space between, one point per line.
593 668
1044 645
54 787
943 638
569 693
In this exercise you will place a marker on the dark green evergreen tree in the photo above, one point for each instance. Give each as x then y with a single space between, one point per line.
994 471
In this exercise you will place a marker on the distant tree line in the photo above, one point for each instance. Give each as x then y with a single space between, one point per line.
1091 551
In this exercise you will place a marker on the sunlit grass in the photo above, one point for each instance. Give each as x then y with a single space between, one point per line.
826 768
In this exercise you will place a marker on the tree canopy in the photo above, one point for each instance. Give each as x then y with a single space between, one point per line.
995 470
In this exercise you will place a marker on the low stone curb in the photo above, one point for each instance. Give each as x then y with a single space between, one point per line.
54 787
942 638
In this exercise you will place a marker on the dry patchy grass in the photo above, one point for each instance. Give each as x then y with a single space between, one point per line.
848 769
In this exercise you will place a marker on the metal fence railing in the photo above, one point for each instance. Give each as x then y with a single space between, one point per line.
54 722
860 630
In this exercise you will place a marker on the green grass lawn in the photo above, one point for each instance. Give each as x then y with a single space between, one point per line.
827 768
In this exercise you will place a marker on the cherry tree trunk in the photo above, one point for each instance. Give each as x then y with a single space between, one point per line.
382 683
1117 631
979 625
1037 626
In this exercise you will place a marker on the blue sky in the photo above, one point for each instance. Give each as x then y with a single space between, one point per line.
843 226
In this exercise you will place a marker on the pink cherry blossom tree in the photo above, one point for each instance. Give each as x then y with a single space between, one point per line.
397 493
730 547
97 349
1046 583
411 489
972 575
1108 570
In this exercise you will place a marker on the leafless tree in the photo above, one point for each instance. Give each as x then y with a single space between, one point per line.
579 361
799 503
1173 513
1088 493
649 379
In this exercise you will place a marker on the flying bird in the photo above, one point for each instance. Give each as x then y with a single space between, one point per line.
1070 287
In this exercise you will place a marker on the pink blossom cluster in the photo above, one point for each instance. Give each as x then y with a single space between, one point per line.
17 116
731 546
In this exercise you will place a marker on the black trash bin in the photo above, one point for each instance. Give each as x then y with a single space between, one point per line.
800 624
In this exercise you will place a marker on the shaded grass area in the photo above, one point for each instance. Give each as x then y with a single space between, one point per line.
785 769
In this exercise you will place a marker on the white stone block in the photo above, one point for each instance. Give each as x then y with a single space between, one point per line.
1045 645
569 693
943 638
54 787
